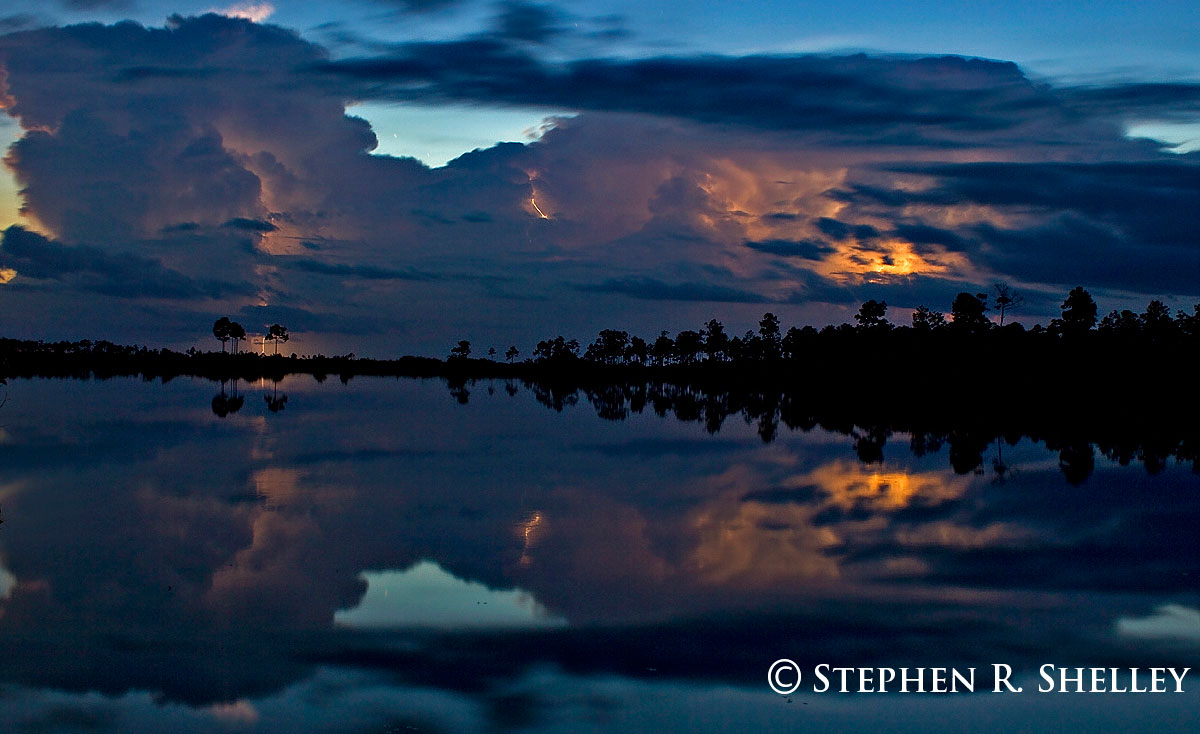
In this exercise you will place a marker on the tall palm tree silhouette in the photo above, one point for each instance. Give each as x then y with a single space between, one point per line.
221 330
277 333
237 333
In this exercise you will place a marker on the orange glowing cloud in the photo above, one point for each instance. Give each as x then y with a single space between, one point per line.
757 545
847 484
853 262
745 542
742 196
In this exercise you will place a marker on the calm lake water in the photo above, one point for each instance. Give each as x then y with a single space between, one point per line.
393 556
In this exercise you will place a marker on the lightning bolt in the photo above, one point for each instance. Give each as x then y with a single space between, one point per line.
528 528
533 195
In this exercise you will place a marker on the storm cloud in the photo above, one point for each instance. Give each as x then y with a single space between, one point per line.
222 151
93 269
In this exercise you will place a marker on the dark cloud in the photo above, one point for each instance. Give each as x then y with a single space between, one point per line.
806 249
300 320
1133 100
17 22
851 100
609 28
83 5
807 494
526 21
250 225
181 227
880 195
1114 224
144 73
1071 249
1140 197
367 272
907 101
657 448
656 290
924 234
91 269
815 288
841 230
420 6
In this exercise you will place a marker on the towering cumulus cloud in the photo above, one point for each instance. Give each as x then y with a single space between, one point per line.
215 157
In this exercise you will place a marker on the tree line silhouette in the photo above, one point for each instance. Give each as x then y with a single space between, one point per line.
1125 366
968 324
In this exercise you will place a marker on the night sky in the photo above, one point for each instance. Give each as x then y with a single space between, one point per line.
390 176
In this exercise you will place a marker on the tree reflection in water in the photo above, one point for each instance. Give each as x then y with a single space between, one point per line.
1075 438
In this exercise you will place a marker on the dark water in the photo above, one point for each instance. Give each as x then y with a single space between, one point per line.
378 557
